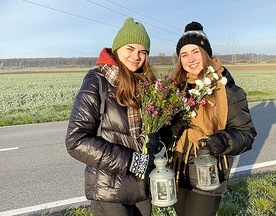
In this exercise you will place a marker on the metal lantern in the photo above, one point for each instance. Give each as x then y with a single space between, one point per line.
162 184
207 171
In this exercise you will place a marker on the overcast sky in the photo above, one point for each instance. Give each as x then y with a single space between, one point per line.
81 28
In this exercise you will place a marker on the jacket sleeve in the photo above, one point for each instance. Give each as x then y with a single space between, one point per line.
240 131
81 140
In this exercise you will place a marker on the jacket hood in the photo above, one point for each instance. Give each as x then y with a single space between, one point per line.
106 57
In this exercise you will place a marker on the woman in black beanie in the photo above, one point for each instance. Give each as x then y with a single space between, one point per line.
227 126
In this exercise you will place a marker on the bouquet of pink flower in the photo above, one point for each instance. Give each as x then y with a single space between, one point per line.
162 100
159 103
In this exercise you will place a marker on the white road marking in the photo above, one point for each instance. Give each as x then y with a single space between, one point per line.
9 149
253 166
83 198
43 206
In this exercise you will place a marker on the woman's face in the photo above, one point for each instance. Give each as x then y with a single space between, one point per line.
132 56
191 59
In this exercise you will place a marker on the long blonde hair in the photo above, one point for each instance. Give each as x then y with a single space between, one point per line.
127 89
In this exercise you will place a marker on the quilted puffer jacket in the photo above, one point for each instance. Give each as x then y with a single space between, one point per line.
240 131
107 156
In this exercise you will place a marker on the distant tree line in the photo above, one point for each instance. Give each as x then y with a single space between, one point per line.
248 57
161 59
48 62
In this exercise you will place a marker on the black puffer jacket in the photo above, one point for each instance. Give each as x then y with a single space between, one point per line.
239 132
107 157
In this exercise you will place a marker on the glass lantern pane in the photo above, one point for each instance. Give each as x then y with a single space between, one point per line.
202 176
172 188
162 190
153 190
213 175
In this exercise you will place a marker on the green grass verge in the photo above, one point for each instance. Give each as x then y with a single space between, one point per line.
254 196
248 196
36 98
258 85
35 115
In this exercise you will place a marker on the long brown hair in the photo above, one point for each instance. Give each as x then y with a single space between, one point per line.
127 89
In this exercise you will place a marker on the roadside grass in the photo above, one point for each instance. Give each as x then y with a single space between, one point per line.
247 196
36 98
79 212
35 115
258 85
45 97
254 196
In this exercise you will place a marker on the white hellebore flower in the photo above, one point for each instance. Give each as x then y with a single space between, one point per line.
194 92
210 68
215 75
199 83
191 91
197 92
223 80
188 107
193 114
184 100
209 91
207 81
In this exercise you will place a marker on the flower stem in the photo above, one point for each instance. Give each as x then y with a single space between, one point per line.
171 148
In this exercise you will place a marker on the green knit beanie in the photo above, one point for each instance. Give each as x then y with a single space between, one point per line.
131 33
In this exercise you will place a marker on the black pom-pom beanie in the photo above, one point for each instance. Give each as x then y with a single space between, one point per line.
194 34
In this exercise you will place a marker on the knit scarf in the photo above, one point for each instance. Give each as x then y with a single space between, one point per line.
202 125
133 115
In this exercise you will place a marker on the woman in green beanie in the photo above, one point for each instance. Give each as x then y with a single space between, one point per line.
108 142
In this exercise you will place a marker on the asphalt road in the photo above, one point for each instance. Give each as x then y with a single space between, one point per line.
35 167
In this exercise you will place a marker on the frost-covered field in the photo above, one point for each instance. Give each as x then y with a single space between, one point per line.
31 96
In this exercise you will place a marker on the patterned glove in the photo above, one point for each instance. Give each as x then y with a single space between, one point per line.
216 144
142 163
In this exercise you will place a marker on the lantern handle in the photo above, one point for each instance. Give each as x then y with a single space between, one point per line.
203 149
162 152
205 139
